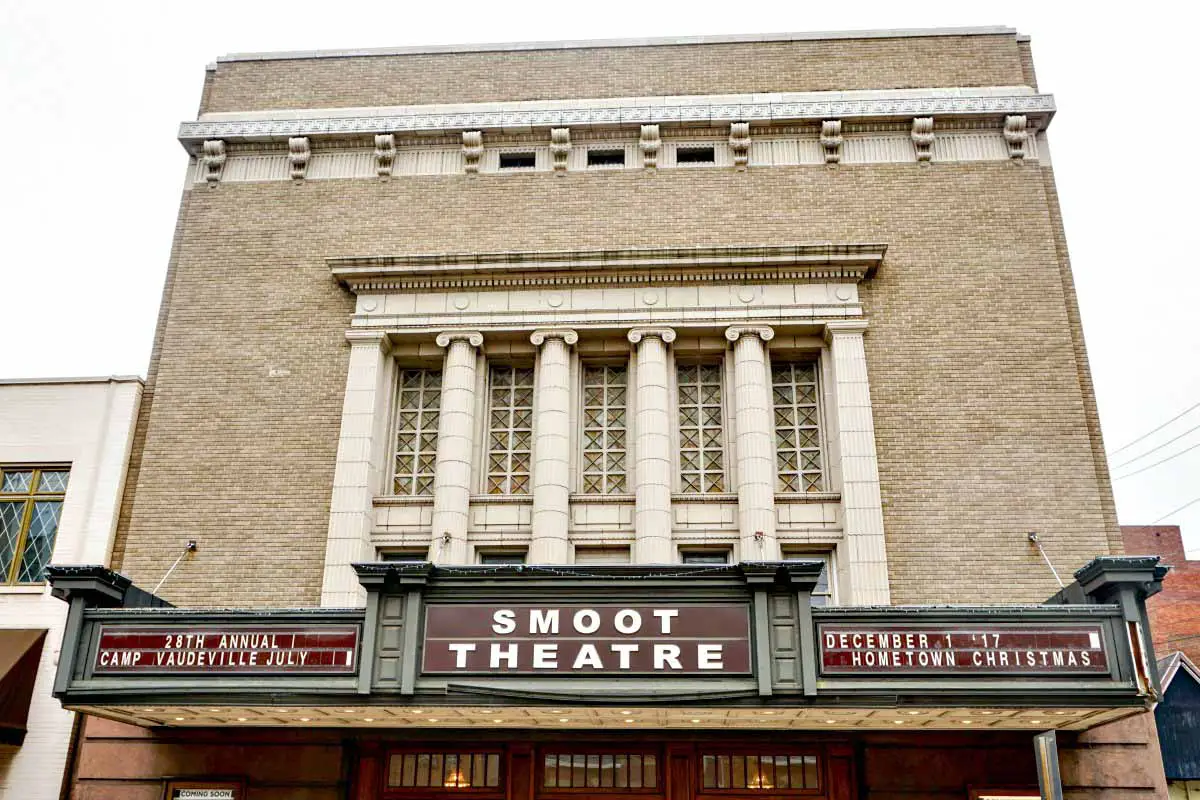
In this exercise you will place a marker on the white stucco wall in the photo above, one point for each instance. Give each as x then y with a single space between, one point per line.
87 423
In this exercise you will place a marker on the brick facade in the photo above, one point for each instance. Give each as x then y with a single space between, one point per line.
1174 612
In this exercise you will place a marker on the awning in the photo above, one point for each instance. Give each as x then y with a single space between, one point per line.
20 652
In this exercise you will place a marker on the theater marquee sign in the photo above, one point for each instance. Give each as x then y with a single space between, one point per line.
193 649
577 639
984 649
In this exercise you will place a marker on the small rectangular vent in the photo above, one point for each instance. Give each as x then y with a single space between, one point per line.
606 158
695 155
518 160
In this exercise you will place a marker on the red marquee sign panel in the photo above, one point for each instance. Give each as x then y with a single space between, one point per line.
125 649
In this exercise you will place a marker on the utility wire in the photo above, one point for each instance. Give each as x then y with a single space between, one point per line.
1156 447
1156 430
1176 511
1156 463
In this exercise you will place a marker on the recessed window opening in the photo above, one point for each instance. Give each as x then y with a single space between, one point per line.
497 558
695 155
518 160
606 158
409 554
709 555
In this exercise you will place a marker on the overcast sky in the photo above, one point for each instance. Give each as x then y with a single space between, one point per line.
90 172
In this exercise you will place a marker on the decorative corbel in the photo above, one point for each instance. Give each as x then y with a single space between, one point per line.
739 142
213 158
385 154
831 140
560 148
649 144
472 151
299 154
1016 134
922 138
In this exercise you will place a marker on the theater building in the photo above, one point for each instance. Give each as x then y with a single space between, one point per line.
657 418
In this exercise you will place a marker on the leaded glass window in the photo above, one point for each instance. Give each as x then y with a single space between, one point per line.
797 428
30 505
759 772
510 429
604 430
430 770
701 429
418 407
638 771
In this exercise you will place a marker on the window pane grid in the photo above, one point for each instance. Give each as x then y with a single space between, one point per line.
449 771
510 430
604 430
755 772
619 771
30 506
701 434
418 410
797 428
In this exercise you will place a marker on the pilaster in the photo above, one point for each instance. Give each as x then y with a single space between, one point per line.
865 552
360 460
552 446
652 444
456 444
755 442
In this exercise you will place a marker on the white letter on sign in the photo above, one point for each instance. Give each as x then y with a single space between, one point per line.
588 657
628 621
543 621
545 656
507 652
460 650
666 655
504 620
586 621
665 615
709 656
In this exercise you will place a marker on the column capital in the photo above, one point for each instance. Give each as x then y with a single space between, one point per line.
539 337
473 338
764 332
845 327
637 334
364 338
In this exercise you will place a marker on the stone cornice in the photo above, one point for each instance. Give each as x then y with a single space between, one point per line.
853 262
629 111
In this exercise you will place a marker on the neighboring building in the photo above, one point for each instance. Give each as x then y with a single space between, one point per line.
1175 612
706 373
1178 721
1175 622
64 447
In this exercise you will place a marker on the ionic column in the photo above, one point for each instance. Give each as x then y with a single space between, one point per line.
865 553
652 446
360 464
754 414
551 446
455 446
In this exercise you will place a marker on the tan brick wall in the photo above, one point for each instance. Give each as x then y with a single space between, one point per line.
992 60
982 426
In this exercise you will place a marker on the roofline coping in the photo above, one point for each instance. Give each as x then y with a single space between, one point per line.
1176 661
81 379
659 41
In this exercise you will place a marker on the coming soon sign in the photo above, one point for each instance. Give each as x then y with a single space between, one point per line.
679 639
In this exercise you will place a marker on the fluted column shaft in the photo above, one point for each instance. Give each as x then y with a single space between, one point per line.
864 559
754 415
652 444
455 446
552 446
360 464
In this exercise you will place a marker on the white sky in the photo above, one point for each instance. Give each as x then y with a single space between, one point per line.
90 172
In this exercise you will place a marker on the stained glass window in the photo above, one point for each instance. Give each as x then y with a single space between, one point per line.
701 429
510 429
30 505
797 428
604 430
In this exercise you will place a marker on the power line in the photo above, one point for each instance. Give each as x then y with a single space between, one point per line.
1176 511
1156 430
1157 447
1156 463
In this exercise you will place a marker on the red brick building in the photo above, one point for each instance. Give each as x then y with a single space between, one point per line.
1175 612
